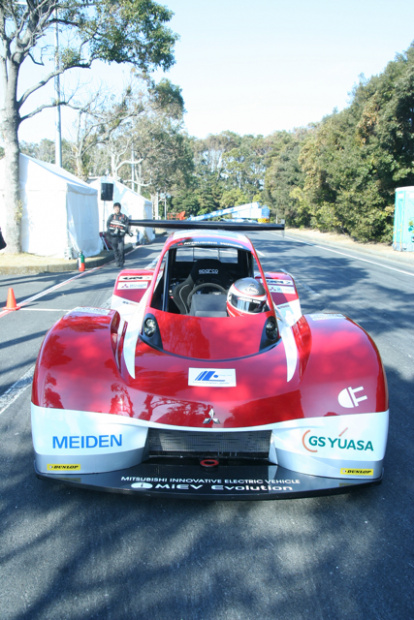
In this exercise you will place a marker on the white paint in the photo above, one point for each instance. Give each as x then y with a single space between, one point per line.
16 389
291 350
364 260
49 290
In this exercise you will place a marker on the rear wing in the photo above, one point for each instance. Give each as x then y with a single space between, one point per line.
194 224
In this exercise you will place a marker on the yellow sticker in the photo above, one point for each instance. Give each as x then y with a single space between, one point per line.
63 467
357 472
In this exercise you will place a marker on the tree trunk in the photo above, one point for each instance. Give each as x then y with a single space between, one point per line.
10 126
155 210
13 204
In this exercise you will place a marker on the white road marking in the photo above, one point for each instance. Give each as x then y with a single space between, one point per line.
16 389
307 288
48 290
365 260
45 309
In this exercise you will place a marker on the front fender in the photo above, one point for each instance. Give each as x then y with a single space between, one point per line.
80 353
340 369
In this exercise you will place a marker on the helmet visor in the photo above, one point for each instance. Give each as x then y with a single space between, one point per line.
247 304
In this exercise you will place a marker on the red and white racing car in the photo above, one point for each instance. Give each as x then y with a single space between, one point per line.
205 380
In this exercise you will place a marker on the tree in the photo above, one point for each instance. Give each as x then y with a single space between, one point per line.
160 141
353 160
126 31
284 176
101 121
225 173
243 168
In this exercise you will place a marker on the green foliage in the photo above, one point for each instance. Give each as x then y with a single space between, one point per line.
126 31
354 160
337 175
284 176
129 31
69 57
166 99
228 171
233 197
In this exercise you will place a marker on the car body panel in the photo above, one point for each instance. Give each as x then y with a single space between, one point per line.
201 393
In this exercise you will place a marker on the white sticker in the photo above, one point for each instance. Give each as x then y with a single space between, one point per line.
285 282
348 397
132 278
212 377
281 289
131 285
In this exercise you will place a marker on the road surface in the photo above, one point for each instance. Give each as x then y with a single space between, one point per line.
75 554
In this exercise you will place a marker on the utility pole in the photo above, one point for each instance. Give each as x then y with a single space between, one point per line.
132 168
58 136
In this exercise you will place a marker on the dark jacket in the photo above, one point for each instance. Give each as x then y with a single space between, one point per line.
117 224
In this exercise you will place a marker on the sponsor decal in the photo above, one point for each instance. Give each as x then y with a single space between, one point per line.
280 282
219 485
289 290
228 243
207 271
132 285
73 442
356 472
212 377
63 467
134 278
348 397
311 443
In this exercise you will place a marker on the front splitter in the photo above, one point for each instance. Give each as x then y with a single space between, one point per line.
223 482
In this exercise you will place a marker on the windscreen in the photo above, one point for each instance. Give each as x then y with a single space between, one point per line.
224 255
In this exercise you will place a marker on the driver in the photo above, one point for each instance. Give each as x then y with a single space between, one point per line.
246 296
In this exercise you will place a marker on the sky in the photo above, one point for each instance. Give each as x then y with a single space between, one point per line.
264 66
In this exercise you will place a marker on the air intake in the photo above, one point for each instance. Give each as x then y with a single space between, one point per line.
247 444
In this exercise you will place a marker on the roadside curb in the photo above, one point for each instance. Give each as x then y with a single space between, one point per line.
69 265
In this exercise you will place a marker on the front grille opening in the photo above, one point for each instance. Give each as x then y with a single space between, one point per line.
245 444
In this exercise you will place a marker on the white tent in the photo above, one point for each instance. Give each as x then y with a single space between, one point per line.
134 205
59 210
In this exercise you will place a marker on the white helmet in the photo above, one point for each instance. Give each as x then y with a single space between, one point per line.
246 296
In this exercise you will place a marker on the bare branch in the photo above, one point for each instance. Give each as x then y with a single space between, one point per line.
45 106
47 79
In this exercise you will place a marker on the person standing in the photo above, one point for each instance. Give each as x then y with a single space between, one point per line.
117 226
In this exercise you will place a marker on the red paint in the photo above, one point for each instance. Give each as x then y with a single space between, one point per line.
81 367
77 369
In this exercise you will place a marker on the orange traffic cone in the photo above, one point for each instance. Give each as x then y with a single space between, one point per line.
11 301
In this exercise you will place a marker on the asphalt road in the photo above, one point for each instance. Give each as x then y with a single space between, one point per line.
75 554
